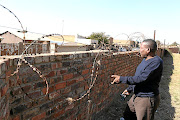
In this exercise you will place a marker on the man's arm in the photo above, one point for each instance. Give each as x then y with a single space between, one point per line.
133 80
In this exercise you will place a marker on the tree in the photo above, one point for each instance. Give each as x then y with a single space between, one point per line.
158 43
101 37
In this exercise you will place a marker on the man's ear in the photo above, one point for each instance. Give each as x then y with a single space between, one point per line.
149 50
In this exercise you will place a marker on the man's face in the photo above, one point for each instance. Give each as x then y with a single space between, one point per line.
144 50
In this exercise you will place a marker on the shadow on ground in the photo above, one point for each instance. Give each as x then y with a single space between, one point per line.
165 111
114 111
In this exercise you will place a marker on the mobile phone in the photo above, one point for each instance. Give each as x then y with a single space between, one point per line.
123 97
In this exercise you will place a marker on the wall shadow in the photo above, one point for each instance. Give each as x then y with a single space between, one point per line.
114 110
165 110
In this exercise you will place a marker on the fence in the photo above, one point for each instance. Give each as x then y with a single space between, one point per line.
7 49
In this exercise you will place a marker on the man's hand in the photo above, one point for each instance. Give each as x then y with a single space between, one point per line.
116 79
125 92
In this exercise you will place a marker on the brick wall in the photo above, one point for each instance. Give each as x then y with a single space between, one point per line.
22 96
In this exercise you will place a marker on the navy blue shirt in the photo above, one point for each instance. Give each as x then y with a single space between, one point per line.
145 82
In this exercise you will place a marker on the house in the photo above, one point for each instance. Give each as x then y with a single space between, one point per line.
14 38
8 37
1 38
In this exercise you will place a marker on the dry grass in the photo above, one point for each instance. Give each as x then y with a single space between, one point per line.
169 108
174 86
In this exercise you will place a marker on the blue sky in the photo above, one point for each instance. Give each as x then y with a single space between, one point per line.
86 16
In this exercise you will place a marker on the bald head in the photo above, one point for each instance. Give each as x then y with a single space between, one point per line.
150 43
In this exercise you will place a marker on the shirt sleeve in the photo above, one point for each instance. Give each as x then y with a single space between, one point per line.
133 80
130 88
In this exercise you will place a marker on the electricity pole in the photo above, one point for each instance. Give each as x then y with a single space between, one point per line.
154 35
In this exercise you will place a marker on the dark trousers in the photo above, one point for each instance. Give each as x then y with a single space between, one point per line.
141 108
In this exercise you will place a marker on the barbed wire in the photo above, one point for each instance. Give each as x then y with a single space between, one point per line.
14 16
21 58
102 46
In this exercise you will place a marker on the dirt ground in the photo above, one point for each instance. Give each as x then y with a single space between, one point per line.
169 108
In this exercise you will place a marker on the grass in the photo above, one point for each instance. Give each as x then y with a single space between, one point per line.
174 86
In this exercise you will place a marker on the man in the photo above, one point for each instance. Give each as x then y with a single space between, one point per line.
144 84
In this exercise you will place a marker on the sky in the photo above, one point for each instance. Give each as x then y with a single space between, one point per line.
113 17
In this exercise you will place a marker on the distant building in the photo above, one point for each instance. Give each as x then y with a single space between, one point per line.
71 43
73 38
8 37
16 37
124 43
71 47
11 42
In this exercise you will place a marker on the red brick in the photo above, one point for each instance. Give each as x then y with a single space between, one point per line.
34 94
1 118
51 74
26 88
51 81
50 90
4 90
40 116
60 85
44 90
11 82
63 71
85 71
67 76
79 79
8 73
61 112
59 65
71 82
30 113
53 66
89 65
58 73
86 87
